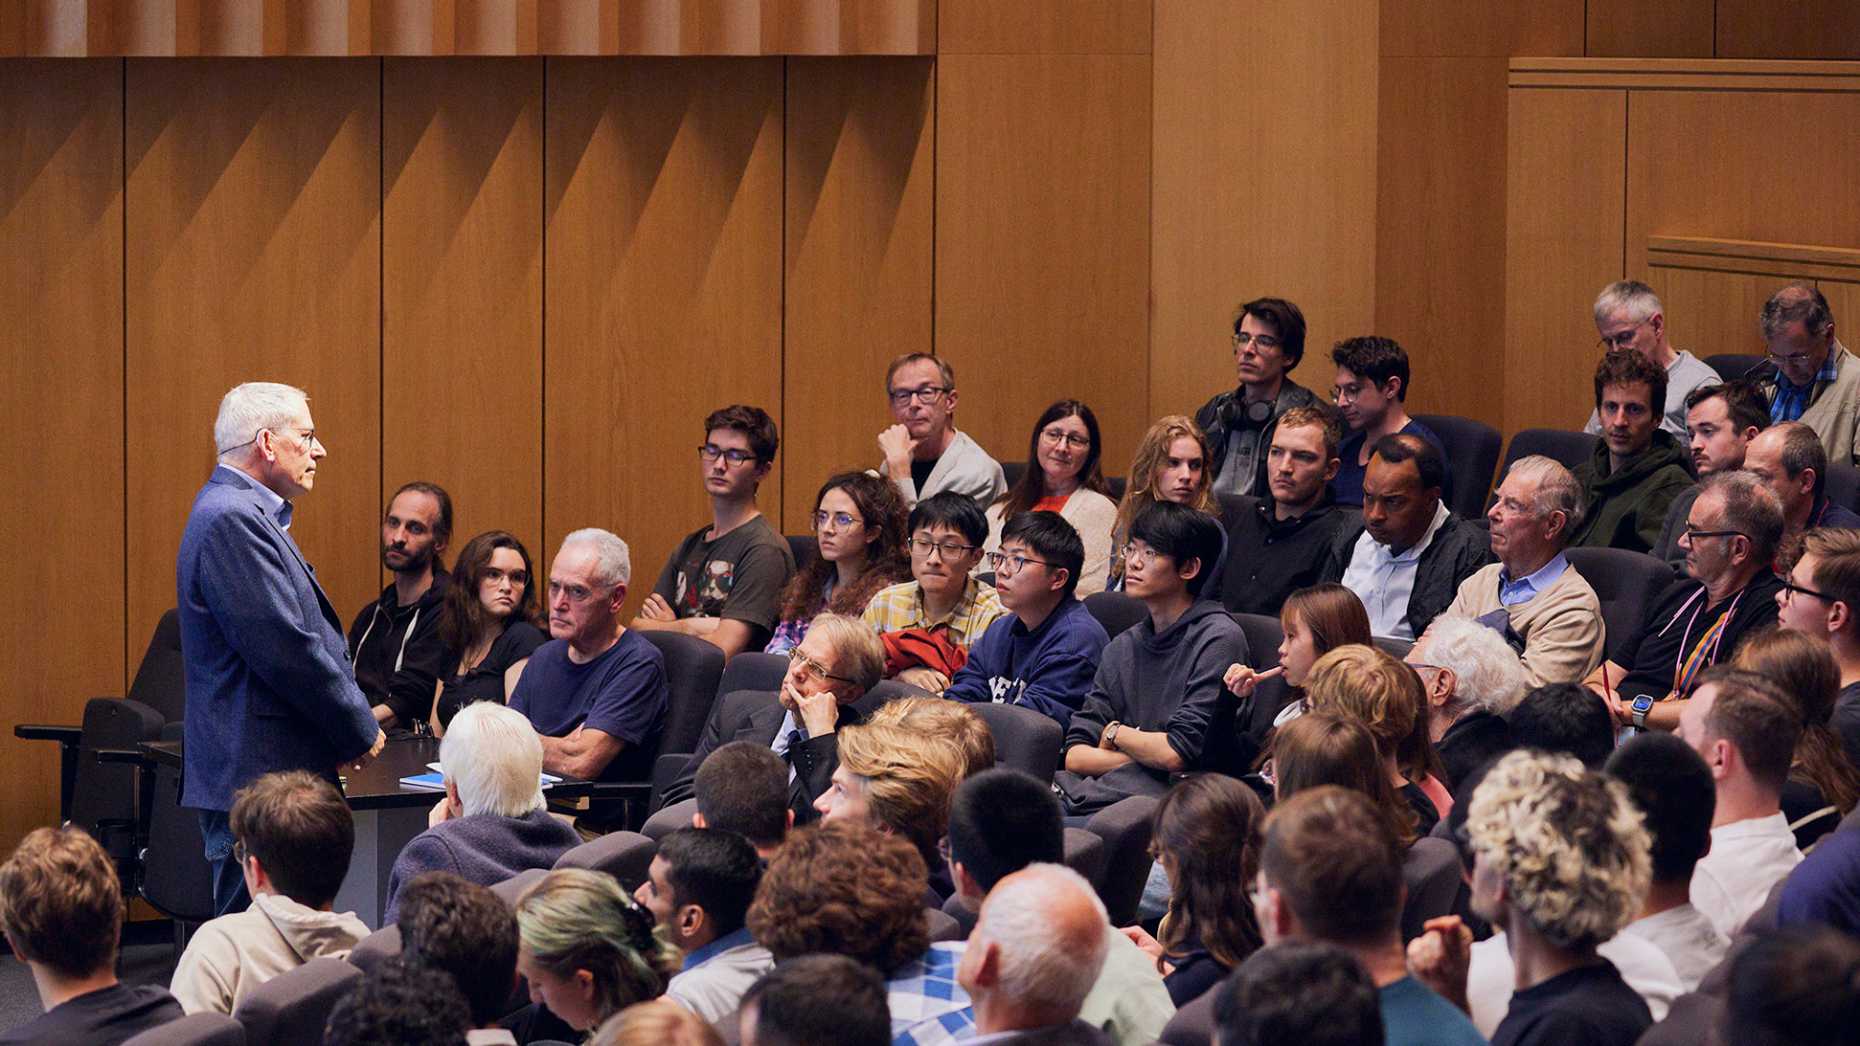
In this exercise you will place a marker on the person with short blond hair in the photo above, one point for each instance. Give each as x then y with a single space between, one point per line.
61 908
952 721
1371 686
660 1022
898 781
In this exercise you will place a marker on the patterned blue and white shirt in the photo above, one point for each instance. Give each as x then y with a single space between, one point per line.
927 1005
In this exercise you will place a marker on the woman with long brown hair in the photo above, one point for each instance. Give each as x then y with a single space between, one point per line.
1171 464
859 523
1063 476
1821 776
1324 748
1314 621
492 622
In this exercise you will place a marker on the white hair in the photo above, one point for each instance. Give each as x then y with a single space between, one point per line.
255 405
1049 962
1634 296
492 753
613 564
1489 674
1557 491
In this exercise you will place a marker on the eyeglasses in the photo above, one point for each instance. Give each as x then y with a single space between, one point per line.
1621 339
577 594
1134 552
1696 535
1790 589
238 852
1007 565
813 667
735 456
1794 357
1265 342
1070 439
840 520
949 549
926 394
515 577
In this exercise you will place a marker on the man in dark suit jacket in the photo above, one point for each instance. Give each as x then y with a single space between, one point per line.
835 664
268 679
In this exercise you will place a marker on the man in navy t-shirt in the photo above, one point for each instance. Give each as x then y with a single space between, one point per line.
596 692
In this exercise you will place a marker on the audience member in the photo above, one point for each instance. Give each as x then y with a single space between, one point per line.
817 1000
1531 596
1304 992
1286 538
1371 390
596 692
1746 729
1369 685
836 663
859 528
1721 420
1565 719
62 910
1205 835
1269 341
1810 377
1825 888
268 683
1560 865
923 453
295 835
1672 788
1795 988
464 930
724 582
402 1003
1820 597
1043 654
1328 748
493 822
1790 460
1000 822
743 788
950 721
1412 554
400 668
1472 679
587 950
1034 956
491 623
1729 592
898 782
1171 464
1822 785
660 1022
1156 705
1313 622
1638 468
930 622
1063 476
698 891
1629 316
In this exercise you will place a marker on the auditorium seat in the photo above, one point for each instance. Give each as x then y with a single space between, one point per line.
1397 648
806 549
1115 611
1734 365
1431 872
1570 448
1125 828
292 1008
512 888
1626 583
1263 636
371 951
1843 485
755 671
669 819
624 855
943 926
693 668
1024 739
1013 470
197 1029
1085 855
1472 454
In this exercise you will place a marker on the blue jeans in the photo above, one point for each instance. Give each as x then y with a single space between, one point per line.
229 893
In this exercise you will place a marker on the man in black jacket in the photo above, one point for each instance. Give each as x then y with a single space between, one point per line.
1285 541
1268 340
394 643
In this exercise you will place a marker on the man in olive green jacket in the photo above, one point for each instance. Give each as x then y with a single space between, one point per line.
1638 469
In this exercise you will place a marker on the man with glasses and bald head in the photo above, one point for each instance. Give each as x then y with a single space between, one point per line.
1809 375
924 453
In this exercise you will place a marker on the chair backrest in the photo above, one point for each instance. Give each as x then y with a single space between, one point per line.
1431 871
512 888
965 919
292 1008
1085 855
195 1029
1115 611
1734 365
176 878
103 795
1472 454
1626 583
887 691
1570 448
1013 470
1263 636
1397 648
375 949
943 926
1843 485
1024 739
161 678
624 855
1125 828
693 667
757 671
1116 485
668 819
805 547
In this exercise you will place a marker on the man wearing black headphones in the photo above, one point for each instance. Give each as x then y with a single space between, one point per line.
1268 341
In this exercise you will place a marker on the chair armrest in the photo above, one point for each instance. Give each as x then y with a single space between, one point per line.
620 790
64 735
125 755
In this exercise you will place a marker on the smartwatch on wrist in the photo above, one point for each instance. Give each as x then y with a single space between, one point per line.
1642 705
1110 733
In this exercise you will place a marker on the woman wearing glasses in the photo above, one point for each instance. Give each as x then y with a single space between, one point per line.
859 524
491 624
1063 476
1171 464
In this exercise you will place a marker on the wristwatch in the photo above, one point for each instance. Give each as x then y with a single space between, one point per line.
1110 733
1642 705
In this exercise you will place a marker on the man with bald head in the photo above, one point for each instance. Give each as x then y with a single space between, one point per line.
1790 460
1033 958
1810 376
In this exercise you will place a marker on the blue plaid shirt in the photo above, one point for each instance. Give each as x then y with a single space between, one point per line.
1792 400
927 1005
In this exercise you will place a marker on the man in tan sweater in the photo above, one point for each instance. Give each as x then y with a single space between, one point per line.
1545 602
1810 376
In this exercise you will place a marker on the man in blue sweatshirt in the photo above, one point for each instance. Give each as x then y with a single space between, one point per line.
1044 654
1157 707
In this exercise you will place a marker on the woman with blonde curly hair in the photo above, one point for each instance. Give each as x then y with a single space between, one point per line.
586 949
1171 464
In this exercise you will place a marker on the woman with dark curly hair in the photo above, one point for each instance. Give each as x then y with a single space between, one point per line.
859 524
586 949
491 623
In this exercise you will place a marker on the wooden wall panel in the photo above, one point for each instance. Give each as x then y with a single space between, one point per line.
833 27
253 252
857 257
1650 28
1042 241
662 211
462 268
1711 312
1788 29
1844 302
1044 26
61 398
1264 183
1565 206
1481 28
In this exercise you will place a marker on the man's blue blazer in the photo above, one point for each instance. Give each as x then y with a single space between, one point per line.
269 685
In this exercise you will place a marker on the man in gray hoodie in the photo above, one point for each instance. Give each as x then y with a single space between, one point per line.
1157 706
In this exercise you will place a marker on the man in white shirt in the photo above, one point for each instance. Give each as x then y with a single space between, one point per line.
698 891
1746 730
1628 315
1674 791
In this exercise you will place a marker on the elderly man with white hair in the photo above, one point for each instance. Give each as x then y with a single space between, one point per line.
493 822
1472 680
597 691
1532 593
1033 957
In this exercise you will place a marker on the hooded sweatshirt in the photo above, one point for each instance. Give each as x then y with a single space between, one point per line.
233 954
1628 508
1168 682
398 655
1047 669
